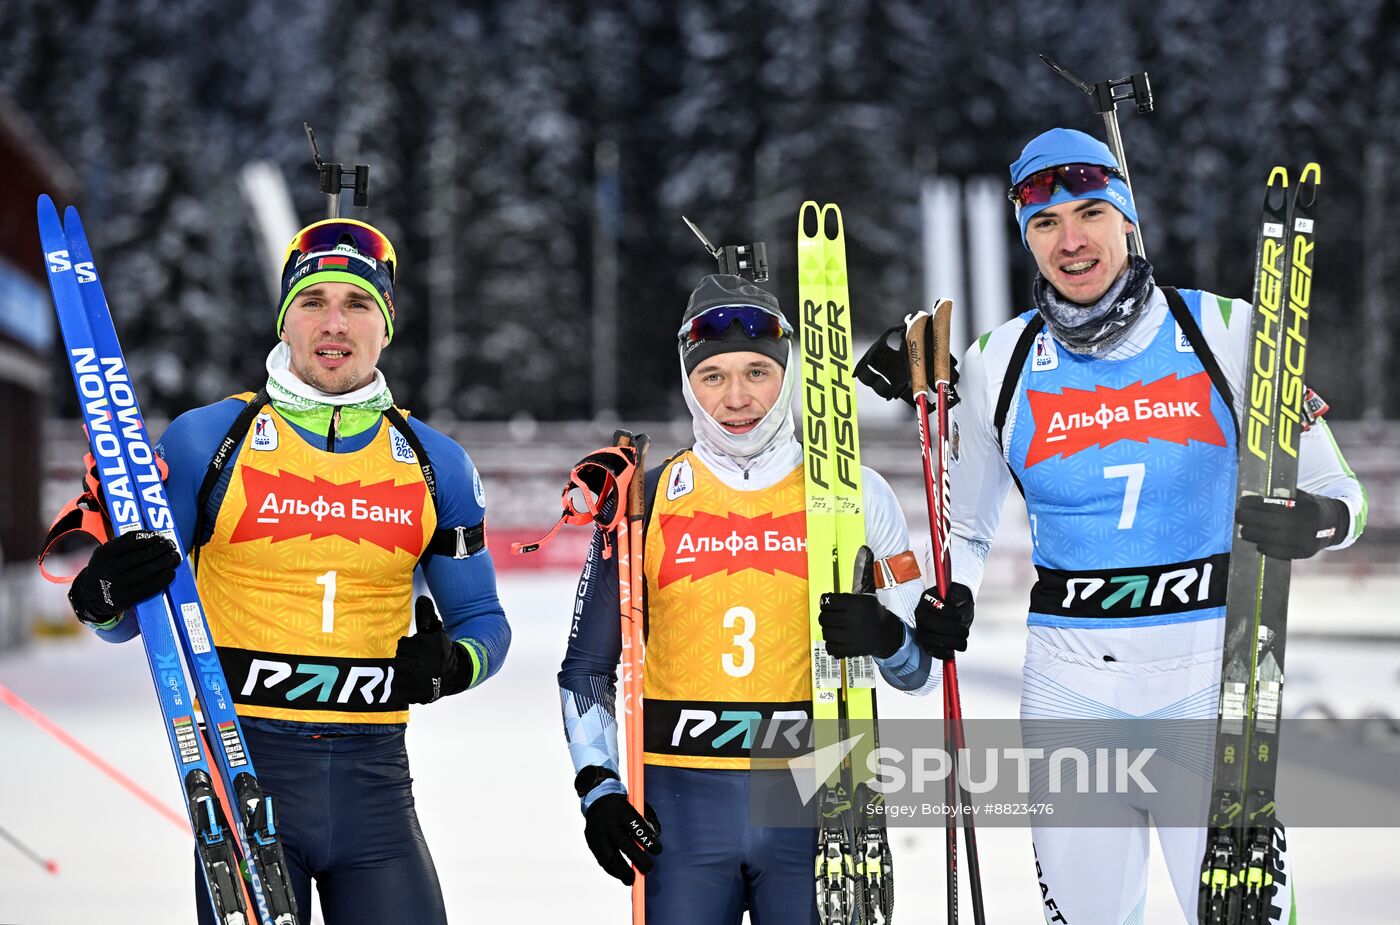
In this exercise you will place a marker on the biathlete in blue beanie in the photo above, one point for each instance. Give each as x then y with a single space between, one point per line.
1112 405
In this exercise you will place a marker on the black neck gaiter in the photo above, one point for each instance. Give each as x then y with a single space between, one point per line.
1096 328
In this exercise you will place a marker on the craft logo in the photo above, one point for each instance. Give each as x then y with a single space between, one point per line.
282 506
264 433
703 544
1172 409
682 481
1044 357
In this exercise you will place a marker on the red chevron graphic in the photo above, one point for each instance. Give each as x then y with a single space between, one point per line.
705 543
282 506
1172 409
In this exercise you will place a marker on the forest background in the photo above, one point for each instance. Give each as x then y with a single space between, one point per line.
514 145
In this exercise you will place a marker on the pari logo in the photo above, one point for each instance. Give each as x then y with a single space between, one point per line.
367 684
745 728
1188 584
125 461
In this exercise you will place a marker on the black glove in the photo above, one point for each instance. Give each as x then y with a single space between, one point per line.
1293 529
619 838
942 627
885 366
429 665
857 624
121 573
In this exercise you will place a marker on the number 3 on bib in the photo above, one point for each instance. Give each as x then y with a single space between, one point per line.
743 639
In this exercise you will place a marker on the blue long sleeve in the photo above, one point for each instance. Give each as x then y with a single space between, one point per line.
588 675
464 589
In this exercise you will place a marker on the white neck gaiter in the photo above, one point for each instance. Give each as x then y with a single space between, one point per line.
289 391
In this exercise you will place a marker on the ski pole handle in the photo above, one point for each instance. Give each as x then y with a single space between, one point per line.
942 331
915 337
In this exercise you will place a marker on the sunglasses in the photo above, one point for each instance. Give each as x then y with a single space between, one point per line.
326 236
714 323
1077 179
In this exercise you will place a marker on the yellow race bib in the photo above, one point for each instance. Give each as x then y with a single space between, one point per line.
727 632
308 576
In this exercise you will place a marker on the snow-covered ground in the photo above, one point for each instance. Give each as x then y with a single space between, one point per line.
493 780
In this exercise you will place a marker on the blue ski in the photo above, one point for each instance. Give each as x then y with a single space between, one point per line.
137 501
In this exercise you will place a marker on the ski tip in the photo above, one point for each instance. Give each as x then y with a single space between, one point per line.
808 220
71 221
1308 182
1280 174
46 209
832 226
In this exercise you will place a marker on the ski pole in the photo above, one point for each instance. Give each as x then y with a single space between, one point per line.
630 578
26 710
48 865
1107 94
936 494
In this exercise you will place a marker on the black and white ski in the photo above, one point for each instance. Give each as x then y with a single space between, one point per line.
1239 866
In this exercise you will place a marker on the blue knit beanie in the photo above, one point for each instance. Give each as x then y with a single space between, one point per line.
1068 146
